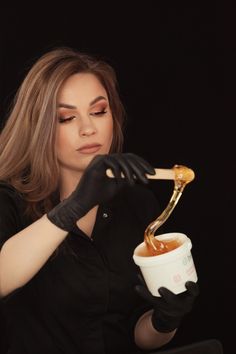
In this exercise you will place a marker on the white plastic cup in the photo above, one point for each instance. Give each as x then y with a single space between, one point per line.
171 269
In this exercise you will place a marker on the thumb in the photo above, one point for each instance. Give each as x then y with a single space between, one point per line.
192 288
141 279
144 293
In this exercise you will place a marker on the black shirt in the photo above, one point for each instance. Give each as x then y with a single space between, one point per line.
84 304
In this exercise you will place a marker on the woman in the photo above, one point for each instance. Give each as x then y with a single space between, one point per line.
67 231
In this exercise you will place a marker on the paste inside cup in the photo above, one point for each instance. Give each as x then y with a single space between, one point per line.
147 251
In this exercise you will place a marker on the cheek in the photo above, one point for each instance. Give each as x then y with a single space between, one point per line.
108 134
110 130
63 141
60 141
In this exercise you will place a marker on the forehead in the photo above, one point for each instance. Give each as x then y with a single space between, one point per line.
81 86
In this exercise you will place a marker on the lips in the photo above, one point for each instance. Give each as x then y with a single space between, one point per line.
89 148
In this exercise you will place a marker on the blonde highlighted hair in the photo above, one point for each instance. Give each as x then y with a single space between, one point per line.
27 142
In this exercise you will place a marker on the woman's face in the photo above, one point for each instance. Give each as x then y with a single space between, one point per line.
85 124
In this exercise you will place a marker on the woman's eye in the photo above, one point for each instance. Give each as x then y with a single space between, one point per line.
99 113
66 119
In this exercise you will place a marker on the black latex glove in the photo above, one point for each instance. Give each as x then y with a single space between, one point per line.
169 309
95 187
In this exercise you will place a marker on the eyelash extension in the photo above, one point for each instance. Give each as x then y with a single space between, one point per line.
63 120
99 113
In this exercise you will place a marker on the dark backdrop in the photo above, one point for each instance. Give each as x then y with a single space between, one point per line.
176 69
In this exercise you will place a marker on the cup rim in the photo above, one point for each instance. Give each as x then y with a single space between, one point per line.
165 256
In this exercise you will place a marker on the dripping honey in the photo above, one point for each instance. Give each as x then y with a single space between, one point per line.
154 247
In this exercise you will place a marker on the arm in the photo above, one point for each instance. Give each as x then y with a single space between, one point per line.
147 337
158 326
23 254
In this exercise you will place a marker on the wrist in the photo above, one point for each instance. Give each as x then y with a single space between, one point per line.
164 323
64 215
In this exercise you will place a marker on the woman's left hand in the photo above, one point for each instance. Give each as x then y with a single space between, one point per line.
169 308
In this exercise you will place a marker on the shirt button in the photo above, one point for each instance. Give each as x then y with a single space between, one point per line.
105 215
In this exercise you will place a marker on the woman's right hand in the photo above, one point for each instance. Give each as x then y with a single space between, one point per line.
95 187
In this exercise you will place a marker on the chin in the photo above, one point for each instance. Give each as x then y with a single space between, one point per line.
84 162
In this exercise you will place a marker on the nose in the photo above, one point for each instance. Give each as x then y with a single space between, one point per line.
86 127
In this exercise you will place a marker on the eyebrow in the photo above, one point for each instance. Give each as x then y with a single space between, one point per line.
69 106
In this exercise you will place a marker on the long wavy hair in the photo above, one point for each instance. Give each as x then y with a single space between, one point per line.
27 142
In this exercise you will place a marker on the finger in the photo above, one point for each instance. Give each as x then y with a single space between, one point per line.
114 166
145 164
139 172
137 169
141 279
144 293
168 295
192 288
126 169
173 304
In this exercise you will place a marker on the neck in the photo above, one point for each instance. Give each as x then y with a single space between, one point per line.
68 182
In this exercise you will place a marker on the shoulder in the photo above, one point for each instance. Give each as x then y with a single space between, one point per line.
11 200
12 208
8 193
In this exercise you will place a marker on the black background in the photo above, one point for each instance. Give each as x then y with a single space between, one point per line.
176 69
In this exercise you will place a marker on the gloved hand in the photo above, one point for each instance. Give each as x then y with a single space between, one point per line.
95 187
169 308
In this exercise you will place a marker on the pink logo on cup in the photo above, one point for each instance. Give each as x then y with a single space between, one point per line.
177 278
